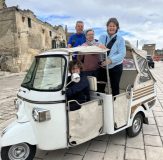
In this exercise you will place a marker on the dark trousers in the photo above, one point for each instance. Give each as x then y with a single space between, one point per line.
102 76
115 76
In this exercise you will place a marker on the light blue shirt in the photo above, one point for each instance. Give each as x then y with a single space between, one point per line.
118 50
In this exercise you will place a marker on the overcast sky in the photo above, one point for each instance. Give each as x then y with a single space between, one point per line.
139 20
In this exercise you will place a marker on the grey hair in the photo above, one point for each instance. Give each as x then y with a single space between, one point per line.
88 30
79 22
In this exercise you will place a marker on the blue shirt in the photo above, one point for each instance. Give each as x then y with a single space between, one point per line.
118 50
77 40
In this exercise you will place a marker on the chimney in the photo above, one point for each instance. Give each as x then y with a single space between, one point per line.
66 30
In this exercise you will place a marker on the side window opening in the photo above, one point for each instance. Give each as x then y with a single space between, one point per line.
29 23
144 71
129 72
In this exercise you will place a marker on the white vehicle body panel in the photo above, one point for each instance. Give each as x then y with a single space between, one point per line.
50 134
17 133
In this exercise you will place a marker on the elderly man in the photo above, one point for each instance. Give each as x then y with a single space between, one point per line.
78 38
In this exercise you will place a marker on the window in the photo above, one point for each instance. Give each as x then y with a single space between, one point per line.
50 33
128 64
144 71
28 78
54 44
23 19
29 23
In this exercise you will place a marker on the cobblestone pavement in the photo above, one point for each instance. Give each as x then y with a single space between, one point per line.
9 86
148 145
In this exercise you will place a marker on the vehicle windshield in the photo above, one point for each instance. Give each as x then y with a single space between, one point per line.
46 73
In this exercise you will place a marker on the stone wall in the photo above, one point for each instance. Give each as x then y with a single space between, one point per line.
22 36
8 47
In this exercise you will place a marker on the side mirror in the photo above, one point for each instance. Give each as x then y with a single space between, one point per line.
75 77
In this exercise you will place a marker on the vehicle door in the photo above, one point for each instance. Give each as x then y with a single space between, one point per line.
85 123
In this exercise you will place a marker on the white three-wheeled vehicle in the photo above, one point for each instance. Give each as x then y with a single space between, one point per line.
45 121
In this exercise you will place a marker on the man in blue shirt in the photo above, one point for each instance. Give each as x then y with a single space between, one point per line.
78 38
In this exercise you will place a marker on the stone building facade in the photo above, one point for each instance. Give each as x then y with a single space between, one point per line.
23 35
158 55
150 48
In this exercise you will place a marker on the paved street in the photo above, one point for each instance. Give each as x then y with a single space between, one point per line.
148 145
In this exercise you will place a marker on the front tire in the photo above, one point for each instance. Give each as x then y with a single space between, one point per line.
136 127
22 151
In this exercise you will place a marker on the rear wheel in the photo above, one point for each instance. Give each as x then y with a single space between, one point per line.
22 151
136 127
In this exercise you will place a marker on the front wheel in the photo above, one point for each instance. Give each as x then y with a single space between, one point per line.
136 127
22 151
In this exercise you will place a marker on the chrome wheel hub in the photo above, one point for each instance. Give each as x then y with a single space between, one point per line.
136 125
19 152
